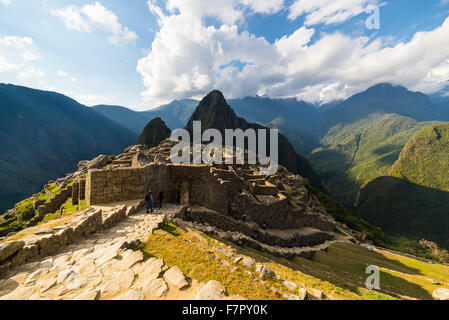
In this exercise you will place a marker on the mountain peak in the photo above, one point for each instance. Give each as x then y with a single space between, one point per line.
214 112
154 133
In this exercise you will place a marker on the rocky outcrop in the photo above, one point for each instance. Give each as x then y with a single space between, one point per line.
154 133
9 248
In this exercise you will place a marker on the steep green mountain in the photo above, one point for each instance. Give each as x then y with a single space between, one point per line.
175 114
43 136
412 200
154 133
382 98
425 158
214 112
356 153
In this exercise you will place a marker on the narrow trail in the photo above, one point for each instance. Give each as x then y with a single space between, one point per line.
99 267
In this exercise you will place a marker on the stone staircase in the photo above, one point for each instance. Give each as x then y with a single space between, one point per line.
99 263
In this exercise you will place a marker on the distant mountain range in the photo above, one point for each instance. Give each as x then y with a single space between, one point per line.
43 135
351 144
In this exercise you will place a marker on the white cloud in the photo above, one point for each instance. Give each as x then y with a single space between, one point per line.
31 77
264 6
15 52
327 11
61 73
6 3
72 18
95 16
188 58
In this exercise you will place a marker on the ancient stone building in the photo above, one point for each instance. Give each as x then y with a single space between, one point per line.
277 209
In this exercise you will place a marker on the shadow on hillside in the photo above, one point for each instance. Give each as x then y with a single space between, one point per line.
386 149
402 208
331 166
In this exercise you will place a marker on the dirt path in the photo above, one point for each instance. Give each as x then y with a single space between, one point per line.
100 267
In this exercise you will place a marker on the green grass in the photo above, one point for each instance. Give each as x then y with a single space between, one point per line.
191 255
67 208
193 252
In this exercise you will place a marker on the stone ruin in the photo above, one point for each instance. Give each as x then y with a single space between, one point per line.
281 216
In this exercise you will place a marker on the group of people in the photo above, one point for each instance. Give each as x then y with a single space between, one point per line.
149 200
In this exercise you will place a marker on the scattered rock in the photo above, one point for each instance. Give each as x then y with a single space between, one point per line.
238 259
33 277
152 268
441 294
107 255
156 287
47 284
291 285
132 295
7 249
22 293
128 261
175 277
43 231
48 263
289 296
89 295
110 288
213 290
302 294
64 275
265 271
434 282
316 293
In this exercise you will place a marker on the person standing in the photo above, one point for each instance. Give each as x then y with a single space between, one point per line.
160 197
149 201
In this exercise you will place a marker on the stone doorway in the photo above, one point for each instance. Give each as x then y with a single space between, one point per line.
184 192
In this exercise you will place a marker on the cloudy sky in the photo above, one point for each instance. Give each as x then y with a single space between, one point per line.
141 54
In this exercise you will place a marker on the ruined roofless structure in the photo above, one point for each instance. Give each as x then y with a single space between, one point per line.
215 198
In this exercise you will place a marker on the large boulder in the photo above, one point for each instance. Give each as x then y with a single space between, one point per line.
7 249
96 163
213 290
441 294
175 277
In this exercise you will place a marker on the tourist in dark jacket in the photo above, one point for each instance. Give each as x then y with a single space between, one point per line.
160 197
149 202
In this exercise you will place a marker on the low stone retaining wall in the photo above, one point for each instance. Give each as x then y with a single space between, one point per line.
54 203
47 242
209 217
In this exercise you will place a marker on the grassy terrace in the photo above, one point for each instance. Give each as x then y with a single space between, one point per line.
339 273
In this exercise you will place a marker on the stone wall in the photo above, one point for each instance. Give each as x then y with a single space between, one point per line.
75 192
82 191
289 239
122 184
55 203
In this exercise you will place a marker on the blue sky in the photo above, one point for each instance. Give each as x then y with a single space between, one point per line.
141 54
